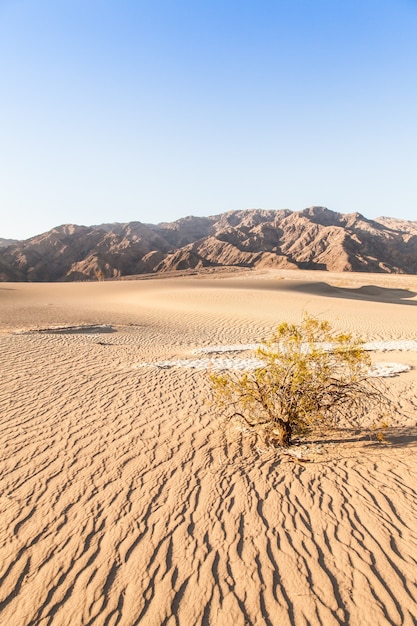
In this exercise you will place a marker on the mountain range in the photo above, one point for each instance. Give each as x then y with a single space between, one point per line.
315 238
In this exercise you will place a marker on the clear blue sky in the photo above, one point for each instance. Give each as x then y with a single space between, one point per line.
151 110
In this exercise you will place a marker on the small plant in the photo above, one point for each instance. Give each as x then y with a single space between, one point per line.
309 378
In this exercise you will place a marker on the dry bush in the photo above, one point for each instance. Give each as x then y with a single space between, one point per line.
311 378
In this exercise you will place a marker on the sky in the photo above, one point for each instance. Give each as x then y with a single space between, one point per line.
152 110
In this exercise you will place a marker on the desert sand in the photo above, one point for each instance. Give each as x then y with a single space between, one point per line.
123 500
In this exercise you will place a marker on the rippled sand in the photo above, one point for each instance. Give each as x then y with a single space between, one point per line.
123 502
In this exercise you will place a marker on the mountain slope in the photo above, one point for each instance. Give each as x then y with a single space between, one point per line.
315 238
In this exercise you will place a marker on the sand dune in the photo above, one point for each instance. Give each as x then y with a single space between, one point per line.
123 502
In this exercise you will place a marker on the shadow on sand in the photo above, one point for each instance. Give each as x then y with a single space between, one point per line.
371 293
399 437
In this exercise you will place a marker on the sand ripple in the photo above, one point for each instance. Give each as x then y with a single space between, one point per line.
123 502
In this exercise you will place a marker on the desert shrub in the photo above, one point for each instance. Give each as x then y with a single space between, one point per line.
309 378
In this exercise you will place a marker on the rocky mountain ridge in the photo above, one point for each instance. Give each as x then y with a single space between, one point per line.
315 238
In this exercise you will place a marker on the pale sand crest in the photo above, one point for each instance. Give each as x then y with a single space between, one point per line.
123 502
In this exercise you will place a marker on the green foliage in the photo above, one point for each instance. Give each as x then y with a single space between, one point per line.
310 378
